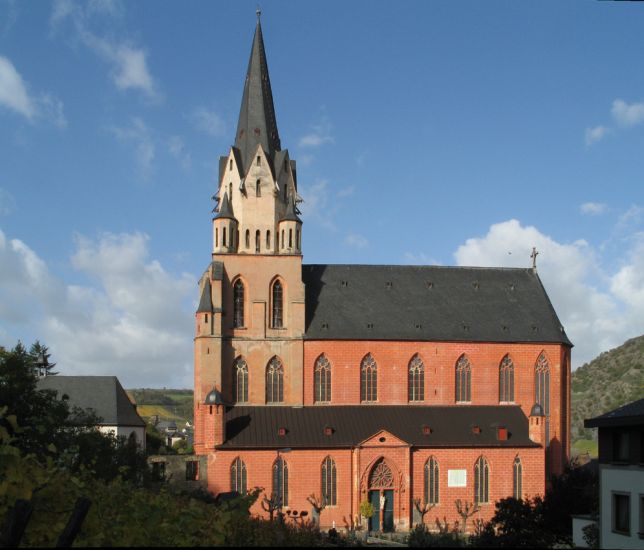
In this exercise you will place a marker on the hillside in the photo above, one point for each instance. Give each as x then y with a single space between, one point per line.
610 380
168 404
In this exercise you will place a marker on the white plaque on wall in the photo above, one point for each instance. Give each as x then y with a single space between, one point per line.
457 478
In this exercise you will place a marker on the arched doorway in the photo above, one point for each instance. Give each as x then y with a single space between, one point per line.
381 496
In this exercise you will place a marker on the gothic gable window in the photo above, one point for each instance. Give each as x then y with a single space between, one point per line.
322 380
381 476
481 481
517 479
238 476
463 380
238 304
274 381
240 380
277 305
368 379
431 481
506 380
280 481
542 389
329 494
416 379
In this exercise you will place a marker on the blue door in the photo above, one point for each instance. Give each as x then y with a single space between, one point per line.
374 521
388 512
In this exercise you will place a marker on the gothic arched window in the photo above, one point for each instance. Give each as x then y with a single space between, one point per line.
506 380
248 238
280 481
268 240
368 379
431 481
463 380
322 380
277 305
238 476
224 237
542 389
257 239
258 188
274 381
416 379
381 476
240 380
517 481
481 481
238 304
329 496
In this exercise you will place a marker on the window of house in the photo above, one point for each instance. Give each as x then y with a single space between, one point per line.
416 379
506 380
277 305
257 239
280 481
238 304
517 479
258 188
481 481
290 238
192 470
431 481
238 476
463 380
322 380
368 379
230 190
231 164
274 381
247 238
621 446
329 493
240 380
259 160
224 237
621 513
268 240
158 471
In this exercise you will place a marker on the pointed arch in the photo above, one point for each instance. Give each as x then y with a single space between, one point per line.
240 380
329 482
506 380
239 291
416 379
247 238
268 240
381 476
258 239
517 478
481 481
277 304
280 481
463 380
542 394
322 380
274 381
238 476
368 379
431 484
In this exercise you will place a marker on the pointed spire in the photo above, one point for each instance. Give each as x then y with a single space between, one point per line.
291 214
225 210
257 123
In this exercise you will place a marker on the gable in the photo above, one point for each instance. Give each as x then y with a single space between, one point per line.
384 438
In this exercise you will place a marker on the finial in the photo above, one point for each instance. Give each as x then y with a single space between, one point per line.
258 11
534 257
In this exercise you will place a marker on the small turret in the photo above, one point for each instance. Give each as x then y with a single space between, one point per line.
537 429
290 230
225 229
215 425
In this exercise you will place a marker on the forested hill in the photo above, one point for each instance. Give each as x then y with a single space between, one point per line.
165 403
612 379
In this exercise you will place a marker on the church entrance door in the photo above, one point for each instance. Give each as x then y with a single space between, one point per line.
374 521
388 511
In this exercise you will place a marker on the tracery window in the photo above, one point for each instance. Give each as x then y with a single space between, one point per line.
517 479
381 476
481 481
368 379
322 380
416 379
280 481
240 380
277 305
274 381
238 304
506 380
542 389
431 481
238 476
329 494
463 380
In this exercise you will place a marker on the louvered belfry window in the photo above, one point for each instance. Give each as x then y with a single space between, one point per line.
238 476
506 380
368 379
416 379
280 481
431 481
329 495
481 481
322 380
274 381
517 479
463 380
278 305
240 380
238 304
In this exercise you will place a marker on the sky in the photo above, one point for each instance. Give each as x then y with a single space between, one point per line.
425 132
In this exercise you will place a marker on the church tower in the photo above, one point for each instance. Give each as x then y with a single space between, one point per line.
250 319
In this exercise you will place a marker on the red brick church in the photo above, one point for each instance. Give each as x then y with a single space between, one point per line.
392 384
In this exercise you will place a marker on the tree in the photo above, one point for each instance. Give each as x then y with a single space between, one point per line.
40 355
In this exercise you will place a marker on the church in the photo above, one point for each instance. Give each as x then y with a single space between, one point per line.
410 387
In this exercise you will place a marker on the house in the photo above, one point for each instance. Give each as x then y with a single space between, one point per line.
105 396
381 383
621 476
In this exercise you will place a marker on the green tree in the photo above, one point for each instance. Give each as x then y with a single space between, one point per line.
40 355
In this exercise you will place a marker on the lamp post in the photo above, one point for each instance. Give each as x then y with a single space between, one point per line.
280 481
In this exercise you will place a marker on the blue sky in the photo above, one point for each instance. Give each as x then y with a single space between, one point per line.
455 133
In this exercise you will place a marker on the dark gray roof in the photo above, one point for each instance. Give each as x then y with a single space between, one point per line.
217 271
451 426
631 414
257 123
205 303
428 303
226 209
290 215
103 394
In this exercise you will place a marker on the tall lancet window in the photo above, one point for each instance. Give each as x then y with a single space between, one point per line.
240 380
368 379
257 241
238 304
506 380
463 380
322 380
481 481
542 391
329 493
517 479
274 381
277 309
431 481
416 379
280 481
258 188
238 476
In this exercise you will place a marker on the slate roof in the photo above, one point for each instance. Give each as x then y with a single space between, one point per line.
103 394
631 414
290 215
451 426
225 209
205 303
428 303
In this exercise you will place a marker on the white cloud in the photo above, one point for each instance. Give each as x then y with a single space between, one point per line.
208 121
356 241
144 152
593 135
320 134
13 92
131 70
134 322
346 191
595 320
316 206
419 258
627 115
593 208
